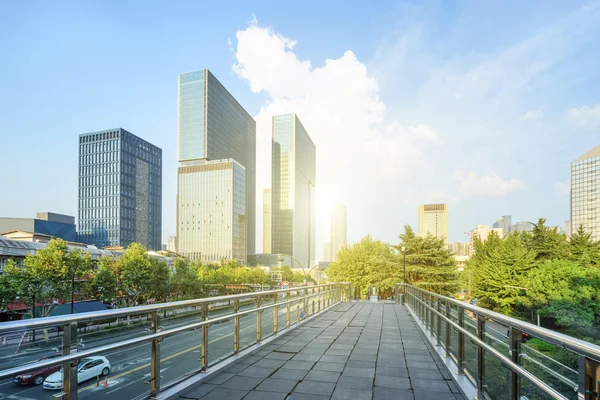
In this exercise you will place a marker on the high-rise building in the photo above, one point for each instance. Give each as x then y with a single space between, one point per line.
172 244
504 223
216 152
585 193
120 190
522 226
568 229
267 200
338 230
433 219
326 252
294 179
482 232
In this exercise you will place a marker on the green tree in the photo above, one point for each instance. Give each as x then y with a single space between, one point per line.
287 274
366 263
134 273
547 243
9 284
429 263
160 280
584 250
103 284
185 284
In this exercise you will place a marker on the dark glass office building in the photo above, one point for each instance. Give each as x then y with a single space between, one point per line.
120 190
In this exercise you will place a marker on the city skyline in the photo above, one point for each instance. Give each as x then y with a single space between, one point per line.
524 114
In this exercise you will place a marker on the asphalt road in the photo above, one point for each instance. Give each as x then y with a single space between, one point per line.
130 367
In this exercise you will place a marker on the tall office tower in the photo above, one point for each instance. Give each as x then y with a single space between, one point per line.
585 193
267 221
172 244
294 179
120 190
217 137
433 219
504 223
338 230
522 226
326 251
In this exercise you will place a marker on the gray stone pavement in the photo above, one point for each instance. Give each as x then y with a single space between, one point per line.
353 351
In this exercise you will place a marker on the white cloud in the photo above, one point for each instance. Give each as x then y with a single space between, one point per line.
586 116
487 185
361 158
562 188
533 115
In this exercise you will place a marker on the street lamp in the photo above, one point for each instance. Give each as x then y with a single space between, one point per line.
280 259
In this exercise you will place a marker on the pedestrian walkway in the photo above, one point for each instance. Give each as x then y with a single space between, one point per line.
354 351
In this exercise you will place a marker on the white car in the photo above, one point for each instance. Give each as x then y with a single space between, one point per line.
87 368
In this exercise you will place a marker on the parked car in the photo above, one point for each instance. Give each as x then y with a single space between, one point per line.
37 377
87 368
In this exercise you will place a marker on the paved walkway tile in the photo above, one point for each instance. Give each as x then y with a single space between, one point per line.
355 351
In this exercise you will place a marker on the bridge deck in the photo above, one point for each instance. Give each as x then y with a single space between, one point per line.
353 351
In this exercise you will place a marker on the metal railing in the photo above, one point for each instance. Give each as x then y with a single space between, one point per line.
306 300
513 372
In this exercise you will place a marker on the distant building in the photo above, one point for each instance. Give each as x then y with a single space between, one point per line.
482 232
120 190
339 233
568 228
327 252
211 211
433 219
461 262
172 244
585 193
522 226
293 191
267 221
268 260
45 223
504 223
459 248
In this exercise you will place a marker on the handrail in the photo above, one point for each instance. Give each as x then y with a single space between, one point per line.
422 305
38 323
567 342
327 295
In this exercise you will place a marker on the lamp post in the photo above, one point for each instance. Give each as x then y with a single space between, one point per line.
403 250
280 259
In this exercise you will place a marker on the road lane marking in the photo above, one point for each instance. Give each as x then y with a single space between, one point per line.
162 360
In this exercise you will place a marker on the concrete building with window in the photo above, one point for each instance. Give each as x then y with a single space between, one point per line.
217 154
504 223
338 231
120 190
433 220
45 223
293 191
585 193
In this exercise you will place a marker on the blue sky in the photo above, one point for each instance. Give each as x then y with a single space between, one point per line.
481 105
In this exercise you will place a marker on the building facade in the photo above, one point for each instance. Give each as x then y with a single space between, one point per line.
481 232
459 248
120 190
339 233
213 126
172 244
433 219
211 212
522 226
45 223
568 229
504 223
293 192
267 218
326 252
585 193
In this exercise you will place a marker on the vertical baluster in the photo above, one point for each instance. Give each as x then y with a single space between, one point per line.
516 338
275 314
438 333
258 318
236 326
287 309
69 345
155 358
204 359
480 355
461 341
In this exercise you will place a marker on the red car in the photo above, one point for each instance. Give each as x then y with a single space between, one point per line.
37 377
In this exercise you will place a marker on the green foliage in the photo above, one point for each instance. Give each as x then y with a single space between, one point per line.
584 250
366 263
286 273
231 272
542 346
429 263
9 283
546 242
103 284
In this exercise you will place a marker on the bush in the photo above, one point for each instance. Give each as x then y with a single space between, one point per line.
544 347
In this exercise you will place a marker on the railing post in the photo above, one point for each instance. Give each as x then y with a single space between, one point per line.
431 314
258 318
516 338
319 298
404 293
313 300
155 358
438 333
298 297
275 314
287 309
236 326
204 359
448 328
426 310
460 353
350 292
480 356
305 302
588 379
69 345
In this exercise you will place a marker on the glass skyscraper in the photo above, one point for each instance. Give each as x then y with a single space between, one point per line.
585 193
293 192
213 126
120 190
